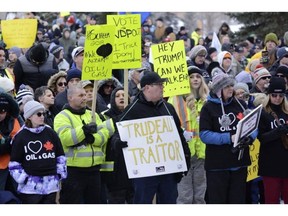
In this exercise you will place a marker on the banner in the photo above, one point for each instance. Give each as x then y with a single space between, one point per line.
169 61
98 49
154 147
127 45
19 32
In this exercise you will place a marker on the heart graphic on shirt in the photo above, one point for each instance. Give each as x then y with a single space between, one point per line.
35 147
232 117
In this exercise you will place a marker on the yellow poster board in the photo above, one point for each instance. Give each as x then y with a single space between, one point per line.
98 49
127 46
63 14
254 154
19 32
169 60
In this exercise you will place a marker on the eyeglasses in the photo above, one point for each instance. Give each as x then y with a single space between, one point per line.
39 114
267 77
2 111
281 95
279 75
62 83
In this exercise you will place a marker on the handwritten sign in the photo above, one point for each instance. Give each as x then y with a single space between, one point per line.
98 48
169 61
248 124
154 147
254 155
127 46
19 32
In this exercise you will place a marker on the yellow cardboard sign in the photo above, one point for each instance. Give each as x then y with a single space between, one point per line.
63 14
98 49
127 46
254 154
19 32
169 61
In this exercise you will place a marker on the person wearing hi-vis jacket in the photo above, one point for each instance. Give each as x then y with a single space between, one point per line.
150 103
192 187
83 143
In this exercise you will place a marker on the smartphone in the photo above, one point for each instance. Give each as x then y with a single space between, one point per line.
264 53
265 57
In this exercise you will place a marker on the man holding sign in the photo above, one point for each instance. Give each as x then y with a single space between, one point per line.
150 103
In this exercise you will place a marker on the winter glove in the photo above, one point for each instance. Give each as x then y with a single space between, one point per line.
243 143
90 128
188 135
89 138
119 144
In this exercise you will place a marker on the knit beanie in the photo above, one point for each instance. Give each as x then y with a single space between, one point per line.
4 103
244 77
194 69
271 37
277 85
211 50
259 73
31 107
21 94
243 86
15 50
6 84
56 50
220 81
197 50
38 53
73 73
282 52
282 69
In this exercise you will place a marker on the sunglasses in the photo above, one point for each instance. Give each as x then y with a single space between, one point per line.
264 78
279 75
274 95
62 83
39 114
226 58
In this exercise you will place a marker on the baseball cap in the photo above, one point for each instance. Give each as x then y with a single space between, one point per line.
76 51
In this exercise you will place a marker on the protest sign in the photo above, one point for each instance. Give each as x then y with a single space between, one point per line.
169 60
254 155
248 124
98 48
19 32
127 45
154 147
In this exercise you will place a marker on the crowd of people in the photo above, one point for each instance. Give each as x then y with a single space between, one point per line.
54 149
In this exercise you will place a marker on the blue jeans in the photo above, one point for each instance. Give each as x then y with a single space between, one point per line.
164 186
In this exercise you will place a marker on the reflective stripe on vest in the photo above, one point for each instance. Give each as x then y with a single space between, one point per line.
107 166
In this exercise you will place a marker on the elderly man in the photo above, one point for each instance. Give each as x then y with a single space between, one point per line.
83 143
150 103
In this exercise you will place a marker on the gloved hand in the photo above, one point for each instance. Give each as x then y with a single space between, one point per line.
282 129
243 143
119 144
90 128
188 135
89 138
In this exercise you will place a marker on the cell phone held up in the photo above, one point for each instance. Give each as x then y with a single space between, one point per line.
265 57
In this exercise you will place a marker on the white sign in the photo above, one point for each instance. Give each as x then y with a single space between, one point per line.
154 147
248 124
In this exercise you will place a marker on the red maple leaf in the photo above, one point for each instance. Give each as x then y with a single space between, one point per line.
240 116
48 146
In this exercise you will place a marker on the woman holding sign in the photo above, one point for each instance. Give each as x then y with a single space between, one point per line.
192 187
273 156
226 174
